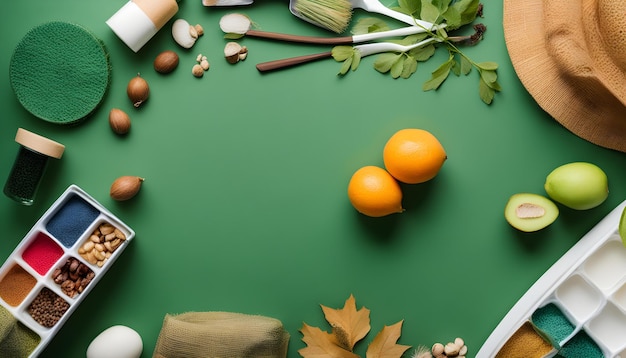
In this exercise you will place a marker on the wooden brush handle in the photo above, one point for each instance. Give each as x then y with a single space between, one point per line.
288 62
346 40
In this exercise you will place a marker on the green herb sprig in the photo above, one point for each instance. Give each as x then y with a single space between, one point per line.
455 14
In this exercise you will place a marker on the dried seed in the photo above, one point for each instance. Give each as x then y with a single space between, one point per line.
88 246
193 32
199 30
106 229
197 70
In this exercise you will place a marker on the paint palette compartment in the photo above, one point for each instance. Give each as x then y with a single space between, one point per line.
53 269
576 309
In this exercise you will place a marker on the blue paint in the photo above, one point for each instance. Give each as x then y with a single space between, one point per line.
71 220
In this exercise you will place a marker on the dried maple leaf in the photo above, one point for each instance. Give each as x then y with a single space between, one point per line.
384 344
321 344
349 325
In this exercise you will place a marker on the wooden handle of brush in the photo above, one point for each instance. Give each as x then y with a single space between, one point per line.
346 40
288 62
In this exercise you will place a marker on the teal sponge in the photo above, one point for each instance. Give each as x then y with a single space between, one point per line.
60 72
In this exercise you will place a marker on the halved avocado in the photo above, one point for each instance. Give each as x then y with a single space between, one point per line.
622 227
529 212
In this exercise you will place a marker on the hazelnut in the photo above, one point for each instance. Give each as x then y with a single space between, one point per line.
166 62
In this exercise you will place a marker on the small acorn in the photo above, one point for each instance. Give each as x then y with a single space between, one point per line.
125 187
138 90
119 121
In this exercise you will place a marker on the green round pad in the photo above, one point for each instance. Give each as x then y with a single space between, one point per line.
60 72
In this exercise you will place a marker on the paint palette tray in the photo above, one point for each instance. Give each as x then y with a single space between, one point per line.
53 268
576 309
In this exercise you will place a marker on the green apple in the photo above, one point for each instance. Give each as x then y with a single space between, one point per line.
622 227
578 185
530 212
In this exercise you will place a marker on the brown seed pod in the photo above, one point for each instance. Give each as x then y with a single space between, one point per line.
125 187
166 62
138 90
119 121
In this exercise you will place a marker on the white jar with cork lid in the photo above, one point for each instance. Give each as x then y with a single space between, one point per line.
138 20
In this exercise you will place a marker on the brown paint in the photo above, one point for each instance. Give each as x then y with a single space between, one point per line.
16 285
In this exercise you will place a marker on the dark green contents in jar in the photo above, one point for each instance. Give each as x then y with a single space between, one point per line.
16 340
25 176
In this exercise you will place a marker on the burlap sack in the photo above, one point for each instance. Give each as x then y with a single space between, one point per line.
221 335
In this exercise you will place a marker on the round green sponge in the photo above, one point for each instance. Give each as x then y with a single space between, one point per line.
60 72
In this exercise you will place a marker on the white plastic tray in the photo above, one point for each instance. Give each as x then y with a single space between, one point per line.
588 286
79 215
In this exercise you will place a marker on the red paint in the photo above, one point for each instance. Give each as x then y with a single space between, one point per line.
42 253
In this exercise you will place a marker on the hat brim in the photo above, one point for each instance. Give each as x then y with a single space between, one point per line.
601 121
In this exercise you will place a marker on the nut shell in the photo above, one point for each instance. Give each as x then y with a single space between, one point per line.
125 187
119 121
166 62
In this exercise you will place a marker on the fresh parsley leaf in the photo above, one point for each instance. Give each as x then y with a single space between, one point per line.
466 66
345 67
342 53
368 25
430 11
356 60
439 75
410 7
491 66
423 53
461 12
486 93
409 68
397 68
385 61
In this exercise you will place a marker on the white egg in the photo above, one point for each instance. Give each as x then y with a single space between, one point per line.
116 342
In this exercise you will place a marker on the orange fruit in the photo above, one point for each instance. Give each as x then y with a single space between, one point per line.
374 192
413 155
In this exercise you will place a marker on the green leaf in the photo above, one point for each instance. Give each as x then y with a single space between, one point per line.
410 66
466 66
233 36
438 76
369 25
491 66
410 7
422 53
411 39
384 61
452 18
342 53
488 76
486 93
456 68
495 86
430 11
345 67
461 12
356 60
397 68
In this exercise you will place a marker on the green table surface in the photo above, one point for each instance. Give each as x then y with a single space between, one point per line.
244 206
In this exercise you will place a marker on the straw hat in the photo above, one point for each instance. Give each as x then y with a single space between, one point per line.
571 57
